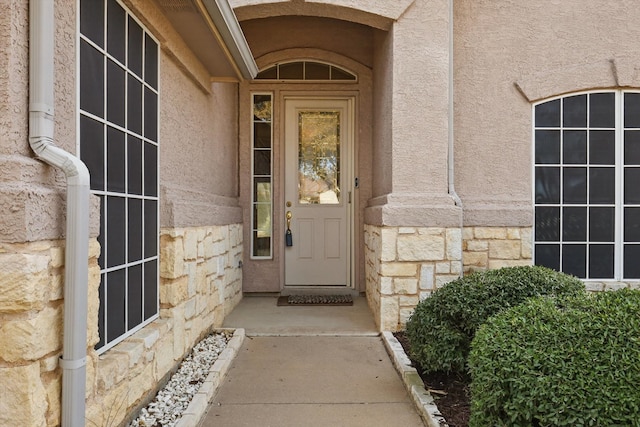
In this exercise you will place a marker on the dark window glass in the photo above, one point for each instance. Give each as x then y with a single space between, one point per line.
602 185
338 74
548 114
602 110
632 185
150 228
632 225
116 160
601 224
547 185
134 105
150 62
601 261
116 36
262 162
92 150
575 111
92 20
547 224
631 261
116 303
574 224
270 73
632 147
602 147
150 114
574 185
150 170
101 317
548 256
135 47
91 79
632 110
134 296
135 230
261 245
316 71
150 289
292 71
262 135
575 147
115 93
116 231
101 237
134 171
574 260
548 146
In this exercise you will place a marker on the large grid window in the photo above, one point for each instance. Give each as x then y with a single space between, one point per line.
118 118
586 195
261 176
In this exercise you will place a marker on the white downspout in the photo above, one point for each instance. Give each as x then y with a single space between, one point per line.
41 131
451 165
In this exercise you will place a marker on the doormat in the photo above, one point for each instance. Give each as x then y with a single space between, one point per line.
315 300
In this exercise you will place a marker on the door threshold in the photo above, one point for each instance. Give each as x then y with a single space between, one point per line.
318 290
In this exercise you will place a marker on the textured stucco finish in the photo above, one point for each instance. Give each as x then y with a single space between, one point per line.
198 151
508 53
372 13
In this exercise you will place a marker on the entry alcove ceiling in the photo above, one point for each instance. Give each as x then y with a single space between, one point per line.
210 29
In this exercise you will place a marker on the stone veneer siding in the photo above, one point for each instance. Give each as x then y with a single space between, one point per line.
404 265
200 282
485 248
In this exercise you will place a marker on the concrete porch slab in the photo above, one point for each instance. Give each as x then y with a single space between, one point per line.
260 316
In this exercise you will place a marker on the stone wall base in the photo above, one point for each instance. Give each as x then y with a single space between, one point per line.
200 283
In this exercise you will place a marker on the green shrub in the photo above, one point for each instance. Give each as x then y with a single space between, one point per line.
572 362
442 326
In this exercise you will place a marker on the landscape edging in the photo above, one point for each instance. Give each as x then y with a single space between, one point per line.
422 399
197 408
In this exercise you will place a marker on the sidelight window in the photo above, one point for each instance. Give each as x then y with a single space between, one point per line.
262 176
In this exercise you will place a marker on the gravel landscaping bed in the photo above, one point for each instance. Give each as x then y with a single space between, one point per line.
170 403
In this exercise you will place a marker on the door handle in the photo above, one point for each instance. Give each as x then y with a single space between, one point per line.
288 238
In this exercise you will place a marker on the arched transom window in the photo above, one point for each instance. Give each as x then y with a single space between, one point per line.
306 71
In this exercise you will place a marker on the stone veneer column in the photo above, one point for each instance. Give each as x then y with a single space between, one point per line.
413 231
404 265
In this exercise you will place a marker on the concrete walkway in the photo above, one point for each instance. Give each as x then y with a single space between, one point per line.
296 368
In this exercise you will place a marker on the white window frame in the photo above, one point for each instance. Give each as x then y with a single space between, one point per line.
618 267
254 202
144 140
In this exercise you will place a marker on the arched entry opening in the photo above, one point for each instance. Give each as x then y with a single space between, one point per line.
401 54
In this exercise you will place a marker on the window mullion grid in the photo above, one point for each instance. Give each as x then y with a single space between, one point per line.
619 183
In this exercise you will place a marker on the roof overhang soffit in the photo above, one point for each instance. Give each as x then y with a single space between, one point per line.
211 31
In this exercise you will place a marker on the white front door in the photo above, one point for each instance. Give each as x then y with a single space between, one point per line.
318 186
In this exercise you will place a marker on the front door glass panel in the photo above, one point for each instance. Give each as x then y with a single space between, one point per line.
319 157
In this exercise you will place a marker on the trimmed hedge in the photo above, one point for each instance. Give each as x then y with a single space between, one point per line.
442 326
573 362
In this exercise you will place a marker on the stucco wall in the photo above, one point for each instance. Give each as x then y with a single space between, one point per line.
286 32
198 150
548 47
31 192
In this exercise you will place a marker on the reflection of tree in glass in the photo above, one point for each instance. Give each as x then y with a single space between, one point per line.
262 108
319 156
